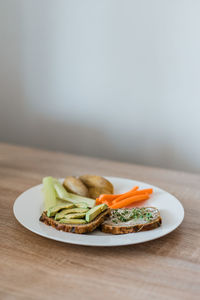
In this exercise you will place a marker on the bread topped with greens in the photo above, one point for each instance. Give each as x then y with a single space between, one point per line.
122 221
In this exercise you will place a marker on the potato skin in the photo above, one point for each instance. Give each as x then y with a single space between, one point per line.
76 186
97 182
95 192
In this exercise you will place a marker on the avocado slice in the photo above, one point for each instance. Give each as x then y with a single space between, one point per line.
72 221
51 212
94 212
65 212
81 205
77 210
75 216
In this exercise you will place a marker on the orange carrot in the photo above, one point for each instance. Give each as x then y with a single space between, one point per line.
126 195
134 193
98 201
110 198
130 200
145 191
106 202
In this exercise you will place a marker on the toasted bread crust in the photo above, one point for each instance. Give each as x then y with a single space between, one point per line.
85 228
114 229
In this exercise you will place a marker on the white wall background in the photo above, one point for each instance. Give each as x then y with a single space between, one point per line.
118 79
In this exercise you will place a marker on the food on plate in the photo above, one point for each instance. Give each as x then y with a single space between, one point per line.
78 222
74 216
91 186
125 199
62 194
133 192
66 212
52 211
95 192
49 192
81 204
73 221
75 213
75 186
127 194
136 219
98 182
95 211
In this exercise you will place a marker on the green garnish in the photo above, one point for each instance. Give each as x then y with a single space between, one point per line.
115 221
130 214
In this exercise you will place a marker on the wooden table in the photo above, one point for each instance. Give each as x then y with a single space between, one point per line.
33 267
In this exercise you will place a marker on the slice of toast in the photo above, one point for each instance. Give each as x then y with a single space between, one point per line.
83 228
134 225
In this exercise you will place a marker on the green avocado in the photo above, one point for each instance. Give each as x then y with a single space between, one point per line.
51 212
81 205
66 212
72 221
94 212
75 216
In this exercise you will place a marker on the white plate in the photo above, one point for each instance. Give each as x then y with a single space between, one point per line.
29 205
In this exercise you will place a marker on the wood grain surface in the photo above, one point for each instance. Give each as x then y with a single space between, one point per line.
33 267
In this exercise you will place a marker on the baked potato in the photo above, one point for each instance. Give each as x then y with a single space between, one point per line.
94 181
76 186
95 192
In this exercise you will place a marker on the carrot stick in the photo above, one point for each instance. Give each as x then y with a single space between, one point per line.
110 198
144 191
98 201
126 195
103 201
106 202
130 200
134 193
